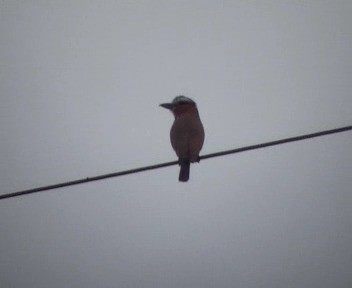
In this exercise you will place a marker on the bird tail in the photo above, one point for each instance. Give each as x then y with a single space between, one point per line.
184 171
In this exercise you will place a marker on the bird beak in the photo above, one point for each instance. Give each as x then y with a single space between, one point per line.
167 105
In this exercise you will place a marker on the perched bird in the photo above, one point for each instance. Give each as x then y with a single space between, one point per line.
187 133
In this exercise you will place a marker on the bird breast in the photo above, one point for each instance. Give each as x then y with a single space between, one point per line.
187 136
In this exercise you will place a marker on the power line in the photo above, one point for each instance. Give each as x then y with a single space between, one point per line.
161 165
278 142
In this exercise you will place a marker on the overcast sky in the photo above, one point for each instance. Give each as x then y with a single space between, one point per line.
80 85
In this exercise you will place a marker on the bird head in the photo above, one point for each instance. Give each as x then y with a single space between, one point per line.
180 106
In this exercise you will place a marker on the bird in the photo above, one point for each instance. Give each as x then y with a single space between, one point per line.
186 134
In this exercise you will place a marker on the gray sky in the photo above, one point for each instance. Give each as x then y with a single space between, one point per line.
80 85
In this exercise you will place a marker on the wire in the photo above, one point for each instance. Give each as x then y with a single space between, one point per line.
161 165
278 142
